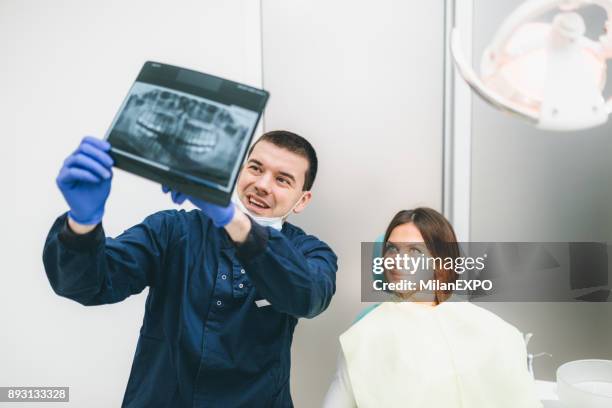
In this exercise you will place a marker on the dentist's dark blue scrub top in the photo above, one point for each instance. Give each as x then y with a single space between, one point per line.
204 341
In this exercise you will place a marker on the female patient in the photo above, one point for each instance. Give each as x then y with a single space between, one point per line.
426 349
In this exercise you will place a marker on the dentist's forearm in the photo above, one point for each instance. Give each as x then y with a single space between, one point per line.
80 228
238 229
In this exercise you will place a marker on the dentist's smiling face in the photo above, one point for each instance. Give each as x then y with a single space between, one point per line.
271 181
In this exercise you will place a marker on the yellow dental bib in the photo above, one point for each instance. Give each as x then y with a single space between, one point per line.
454 355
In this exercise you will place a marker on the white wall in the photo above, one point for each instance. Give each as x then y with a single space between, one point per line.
66 66
363 81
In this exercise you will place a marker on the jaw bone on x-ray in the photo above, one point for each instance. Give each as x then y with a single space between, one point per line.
182 131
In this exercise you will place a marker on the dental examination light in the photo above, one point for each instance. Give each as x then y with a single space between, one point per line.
549 74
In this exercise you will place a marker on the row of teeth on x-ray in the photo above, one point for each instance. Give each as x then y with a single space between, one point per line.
194 124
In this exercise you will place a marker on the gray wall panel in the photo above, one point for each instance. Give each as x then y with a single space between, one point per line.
363 81
533 185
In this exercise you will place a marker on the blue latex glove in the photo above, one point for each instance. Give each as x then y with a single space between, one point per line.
85 180
220 216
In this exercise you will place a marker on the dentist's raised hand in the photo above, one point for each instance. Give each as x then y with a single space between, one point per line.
220 216
85 180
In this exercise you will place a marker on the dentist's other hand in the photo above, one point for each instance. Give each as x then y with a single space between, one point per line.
85 180
220 216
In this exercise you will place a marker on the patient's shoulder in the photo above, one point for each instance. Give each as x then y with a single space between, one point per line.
365 311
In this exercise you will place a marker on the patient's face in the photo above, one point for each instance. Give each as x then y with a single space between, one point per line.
406 239
406 233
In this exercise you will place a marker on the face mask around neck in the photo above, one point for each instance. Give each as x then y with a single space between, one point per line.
272 222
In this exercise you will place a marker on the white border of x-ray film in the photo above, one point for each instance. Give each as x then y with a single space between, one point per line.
457 145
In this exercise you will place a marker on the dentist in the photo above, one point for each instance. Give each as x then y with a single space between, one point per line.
226 284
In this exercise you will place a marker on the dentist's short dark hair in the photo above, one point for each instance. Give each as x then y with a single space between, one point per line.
295 144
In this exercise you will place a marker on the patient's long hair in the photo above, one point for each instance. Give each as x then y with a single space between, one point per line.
439 237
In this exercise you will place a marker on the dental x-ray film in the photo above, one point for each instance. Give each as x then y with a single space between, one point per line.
186 129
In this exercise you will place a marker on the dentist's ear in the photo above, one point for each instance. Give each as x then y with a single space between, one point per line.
302 202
